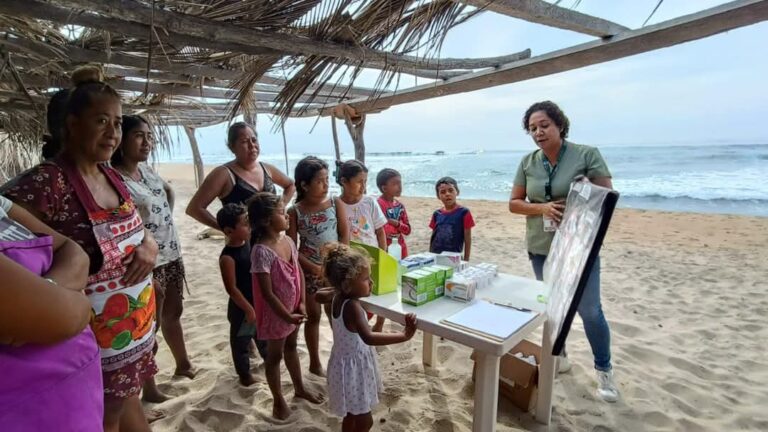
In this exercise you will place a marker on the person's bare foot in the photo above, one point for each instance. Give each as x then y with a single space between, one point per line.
185 370
280 409
154 396
315 398
317 370
154 415
247 380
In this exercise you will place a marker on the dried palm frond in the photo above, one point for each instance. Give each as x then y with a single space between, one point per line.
41 56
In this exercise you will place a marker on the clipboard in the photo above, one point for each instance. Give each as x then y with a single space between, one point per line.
490 320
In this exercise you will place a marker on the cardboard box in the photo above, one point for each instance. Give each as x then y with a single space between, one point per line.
518 379
384 269
460 288
418 287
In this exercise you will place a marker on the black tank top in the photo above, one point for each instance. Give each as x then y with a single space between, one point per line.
242 257
242 190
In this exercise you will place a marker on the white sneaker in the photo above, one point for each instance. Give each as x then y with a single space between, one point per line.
606 388
563 364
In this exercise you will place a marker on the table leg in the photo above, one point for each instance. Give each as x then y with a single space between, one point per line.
429 350
546 378
486 392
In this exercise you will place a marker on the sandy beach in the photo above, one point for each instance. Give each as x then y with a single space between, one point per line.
684 293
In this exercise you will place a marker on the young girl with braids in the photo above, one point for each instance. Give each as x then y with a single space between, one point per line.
278 296
315 219
354 382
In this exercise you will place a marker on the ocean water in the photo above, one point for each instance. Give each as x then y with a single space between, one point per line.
706 179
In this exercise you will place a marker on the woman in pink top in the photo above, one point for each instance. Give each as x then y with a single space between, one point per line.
278 296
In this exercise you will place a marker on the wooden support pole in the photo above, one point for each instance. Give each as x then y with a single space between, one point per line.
356 127
285 149
335 138
196 158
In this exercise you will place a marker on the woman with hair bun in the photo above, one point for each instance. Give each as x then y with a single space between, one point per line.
80 197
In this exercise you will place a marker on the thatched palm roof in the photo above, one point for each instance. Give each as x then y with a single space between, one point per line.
200 62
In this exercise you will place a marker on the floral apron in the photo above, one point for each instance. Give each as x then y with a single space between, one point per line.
122 317
63 379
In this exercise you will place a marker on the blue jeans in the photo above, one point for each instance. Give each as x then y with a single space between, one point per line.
591 312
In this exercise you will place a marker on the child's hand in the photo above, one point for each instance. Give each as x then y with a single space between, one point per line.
410 326
297 318
250 315
394 222
317 271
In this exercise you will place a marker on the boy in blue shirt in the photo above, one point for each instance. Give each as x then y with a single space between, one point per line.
451 225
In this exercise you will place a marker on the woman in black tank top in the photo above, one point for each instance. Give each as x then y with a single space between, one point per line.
240 179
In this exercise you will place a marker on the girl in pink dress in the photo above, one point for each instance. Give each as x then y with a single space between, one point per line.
278 296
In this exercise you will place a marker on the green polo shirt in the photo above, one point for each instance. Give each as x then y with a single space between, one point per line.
576 160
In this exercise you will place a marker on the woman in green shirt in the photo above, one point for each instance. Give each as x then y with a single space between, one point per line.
541 185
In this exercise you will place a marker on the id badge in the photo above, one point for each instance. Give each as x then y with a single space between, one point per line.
549 224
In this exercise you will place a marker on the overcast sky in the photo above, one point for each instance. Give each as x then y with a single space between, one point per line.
703 92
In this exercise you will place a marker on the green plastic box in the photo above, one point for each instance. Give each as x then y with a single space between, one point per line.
383 269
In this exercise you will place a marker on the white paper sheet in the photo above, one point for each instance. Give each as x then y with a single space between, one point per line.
496 321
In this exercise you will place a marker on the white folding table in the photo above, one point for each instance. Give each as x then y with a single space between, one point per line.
514 290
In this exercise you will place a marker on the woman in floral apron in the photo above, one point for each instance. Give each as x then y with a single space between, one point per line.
77 195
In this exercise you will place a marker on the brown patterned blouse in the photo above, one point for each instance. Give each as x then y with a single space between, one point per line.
45 189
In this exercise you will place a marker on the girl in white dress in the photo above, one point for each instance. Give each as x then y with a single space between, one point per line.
353 372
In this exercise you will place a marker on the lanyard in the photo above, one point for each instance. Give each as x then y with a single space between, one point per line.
551 171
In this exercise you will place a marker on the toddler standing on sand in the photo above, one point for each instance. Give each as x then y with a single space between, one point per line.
354 382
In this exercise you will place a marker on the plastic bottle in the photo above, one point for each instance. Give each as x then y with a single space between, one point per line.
395 250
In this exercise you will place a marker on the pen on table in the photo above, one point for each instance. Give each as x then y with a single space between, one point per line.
507 305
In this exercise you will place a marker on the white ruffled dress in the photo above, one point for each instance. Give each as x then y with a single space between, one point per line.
354 382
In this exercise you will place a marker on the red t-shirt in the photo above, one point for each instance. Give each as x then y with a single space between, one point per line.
395 210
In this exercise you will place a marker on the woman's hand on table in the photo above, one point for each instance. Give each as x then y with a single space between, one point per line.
141 261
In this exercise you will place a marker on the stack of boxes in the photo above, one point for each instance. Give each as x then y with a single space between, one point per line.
463 284
425 284
429 276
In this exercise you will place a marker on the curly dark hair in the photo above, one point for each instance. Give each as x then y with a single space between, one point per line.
261 207
446 181
384 176
552 111
228 216
305 171
342 263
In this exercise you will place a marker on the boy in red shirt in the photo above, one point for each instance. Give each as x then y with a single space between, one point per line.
391 186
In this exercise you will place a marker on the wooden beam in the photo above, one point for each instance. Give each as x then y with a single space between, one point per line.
193 81
75 55
245 40
176 90
541 12
699 25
